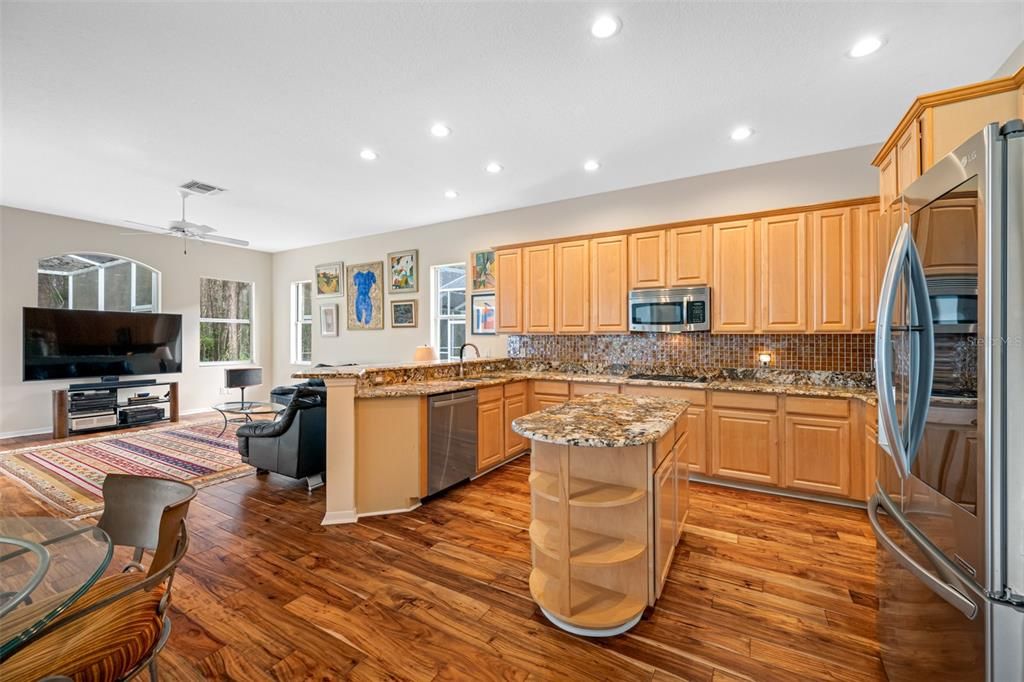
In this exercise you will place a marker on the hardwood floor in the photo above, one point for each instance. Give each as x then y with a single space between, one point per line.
762 588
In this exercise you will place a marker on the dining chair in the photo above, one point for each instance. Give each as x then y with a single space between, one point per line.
118 628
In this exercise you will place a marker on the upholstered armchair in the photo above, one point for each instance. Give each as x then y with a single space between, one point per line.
295 444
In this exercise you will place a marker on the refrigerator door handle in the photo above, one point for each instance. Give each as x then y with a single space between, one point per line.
946 591
889 432
920 400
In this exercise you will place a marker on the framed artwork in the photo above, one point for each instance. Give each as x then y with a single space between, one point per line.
482 265
328 319
404 272
485 314
403 313
364 284
328 280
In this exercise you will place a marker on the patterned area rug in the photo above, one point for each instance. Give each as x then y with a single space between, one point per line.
70 475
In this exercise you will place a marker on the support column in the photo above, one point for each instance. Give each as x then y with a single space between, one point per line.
341 451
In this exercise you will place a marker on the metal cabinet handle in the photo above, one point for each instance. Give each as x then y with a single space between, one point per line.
947 592
889 433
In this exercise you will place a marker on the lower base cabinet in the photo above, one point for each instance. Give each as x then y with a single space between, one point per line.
745 437
497 407
817 455
666 532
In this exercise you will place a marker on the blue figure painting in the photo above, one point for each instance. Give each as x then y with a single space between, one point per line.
365 296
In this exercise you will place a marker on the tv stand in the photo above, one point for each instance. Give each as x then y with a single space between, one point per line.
106 406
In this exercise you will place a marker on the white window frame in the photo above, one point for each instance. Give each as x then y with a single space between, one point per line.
251 322
100 268
297 320
435 308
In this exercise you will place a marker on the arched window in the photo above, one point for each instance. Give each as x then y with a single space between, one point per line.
97 281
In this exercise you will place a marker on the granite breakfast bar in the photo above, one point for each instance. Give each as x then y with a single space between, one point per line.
609 498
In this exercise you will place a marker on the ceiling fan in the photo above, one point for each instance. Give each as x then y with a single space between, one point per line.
187 230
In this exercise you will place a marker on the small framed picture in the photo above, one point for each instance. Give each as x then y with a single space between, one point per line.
481 264
328 280
404 272
485 314
403 313
329 319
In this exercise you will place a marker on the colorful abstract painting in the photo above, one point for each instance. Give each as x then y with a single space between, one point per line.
364 285
403 272
485 314
482 265
328 280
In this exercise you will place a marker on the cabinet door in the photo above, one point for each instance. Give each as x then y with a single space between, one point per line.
887 181
609 291
647 260
539 285
682 481
697 436
832 271
508 269
745 445
873 246
689 256
572 286
490 441
817 454
665 533
734 277
908 156
784 273
871 452
515 407
947 237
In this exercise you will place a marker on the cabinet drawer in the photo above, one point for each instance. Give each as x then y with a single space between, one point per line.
489 394
694 395
559 388
515 388
745 401
825 407
584 388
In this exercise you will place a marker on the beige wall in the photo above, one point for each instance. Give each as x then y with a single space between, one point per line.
26 236
806 180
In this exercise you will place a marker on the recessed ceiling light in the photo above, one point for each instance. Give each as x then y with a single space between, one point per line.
450 194
440 130
741 133
605 26
493 167
591 165
865 46
368 155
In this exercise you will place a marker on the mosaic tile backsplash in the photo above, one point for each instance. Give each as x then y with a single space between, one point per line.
699 352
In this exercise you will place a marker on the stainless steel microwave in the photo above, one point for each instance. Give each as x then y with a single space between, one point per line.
675 310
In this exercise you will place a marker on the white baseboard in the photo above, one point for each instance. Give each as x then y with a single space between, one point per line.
25 432
390 511
197 410
337 517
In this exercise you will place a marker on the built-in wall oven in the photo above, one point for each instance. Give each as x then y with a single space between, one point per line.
675 310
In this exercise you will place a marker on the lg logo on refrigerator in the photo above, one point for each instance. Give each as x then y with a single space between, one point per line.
964 160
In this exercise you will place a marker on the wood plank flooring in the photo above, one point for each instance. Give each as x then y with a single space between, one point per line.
761 588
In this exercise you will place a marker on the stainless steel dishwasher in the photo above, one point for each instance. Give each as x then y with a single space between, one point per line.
451 455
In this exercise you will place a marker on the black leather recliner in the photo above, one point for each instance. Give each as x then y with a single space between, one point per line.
295 444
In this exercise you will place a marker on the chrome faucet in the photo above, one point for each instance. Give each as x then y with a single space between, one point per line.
462 350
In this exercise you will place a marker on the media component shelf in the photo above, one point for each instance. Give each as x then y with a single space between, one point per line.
103 406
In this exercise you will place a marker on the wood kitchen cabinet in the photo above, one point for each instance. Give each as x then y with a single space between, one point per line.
888 183
666 532
609 285
947 237
682 457
745 437
875 237
544 394
689 256
831 284
508 268
818 450
735 277
783 290
490 424
583 388
908 156
539 288
572 287
647 260
515 407
696 419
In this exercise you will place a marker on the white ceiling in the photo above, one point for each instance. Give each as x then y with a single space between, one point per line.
108 107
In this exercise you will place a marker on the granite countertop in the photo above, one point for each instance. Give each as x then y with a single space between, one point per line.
603 420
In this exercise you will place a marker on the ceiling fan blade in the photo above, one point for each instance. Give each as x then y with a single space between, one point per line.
148 227
222 240
141 233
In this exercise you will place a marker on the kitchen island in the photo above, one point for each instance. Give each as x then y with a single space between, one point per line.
609 498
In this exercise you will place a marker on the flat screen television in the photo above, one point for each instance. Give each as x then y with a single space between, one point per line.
72 344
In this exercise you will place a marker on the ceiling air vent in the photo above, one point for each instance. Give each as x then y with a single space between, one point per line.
201 188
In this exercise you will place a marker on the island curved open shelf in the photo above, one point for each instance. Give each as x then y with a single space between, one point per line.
607 508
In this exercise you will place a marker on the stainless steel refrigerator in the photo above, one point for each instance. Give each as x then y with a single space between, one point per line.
948 511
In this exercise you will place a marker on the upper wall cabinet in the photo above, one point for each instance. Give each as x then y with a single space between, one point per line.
689 256
784 273
609 285
734 277
647 266
572 287
539 288
508 268
874 240
832 271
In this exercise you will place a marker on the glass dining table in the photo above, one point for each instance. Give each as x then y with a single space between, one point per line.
46 564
